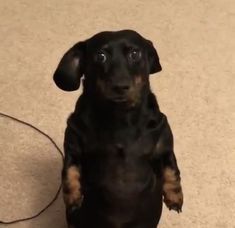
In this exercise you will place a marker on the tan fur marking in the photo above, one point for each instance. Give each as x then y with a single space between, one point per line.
172 188
173 197
134 93
138 80
72 182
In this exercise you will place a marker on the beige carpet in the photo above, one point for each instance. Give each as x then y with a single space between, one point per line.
196 89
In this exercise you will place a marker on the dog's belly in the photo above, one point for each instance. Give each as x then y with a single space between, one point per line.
119 178
127 197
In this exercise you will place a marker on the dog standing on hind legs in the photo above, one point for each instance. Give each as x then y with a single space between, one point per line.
119 161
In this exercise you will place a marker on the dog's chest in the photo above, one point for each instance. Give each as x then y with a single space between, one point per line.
117 159
121 143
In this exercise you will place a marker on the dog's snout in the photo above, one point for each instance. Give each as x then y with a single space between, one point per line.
121 88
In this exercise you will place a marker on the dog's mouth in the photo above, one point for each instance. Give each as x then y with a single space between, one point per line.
119 99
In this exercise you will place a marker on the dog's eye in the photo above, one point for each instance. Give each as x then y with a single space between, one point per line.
101 57
135 55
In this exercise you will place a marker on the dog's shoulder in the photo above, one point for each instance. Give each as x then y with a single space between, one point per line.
153 120
151 109
78 120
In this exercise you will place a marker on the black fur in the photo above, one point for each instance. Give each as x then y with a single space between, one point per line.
116 136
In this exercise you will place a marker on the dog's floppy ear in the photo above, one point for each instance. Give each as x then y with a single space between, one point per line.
154 64
71 68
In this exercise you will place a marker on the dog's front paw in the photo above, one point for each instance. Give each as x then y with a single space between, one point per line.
172 191
72 188
174 201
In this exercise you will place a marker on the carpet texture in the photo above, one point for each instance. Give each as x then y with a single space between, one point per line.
196 89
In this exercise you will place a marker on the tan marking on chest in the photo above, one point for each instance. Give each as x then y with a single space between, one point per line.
138 80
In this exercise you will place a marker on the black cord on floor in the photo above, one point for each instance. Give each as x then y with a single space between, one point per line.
58 191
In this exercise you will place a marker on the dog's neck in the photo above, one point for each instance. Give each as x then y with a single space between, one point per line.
120 114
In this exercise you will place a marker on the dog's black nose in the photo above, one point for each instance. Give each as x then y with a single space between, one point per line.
121 88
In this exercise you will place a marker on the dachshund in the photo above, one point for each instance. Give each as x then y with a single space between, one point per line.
119 164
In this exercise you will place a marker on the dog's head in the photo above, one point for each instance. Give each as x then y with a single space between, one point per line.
115 65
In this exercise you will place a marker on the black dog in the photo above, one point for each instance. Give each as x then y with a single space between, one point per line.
119 160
